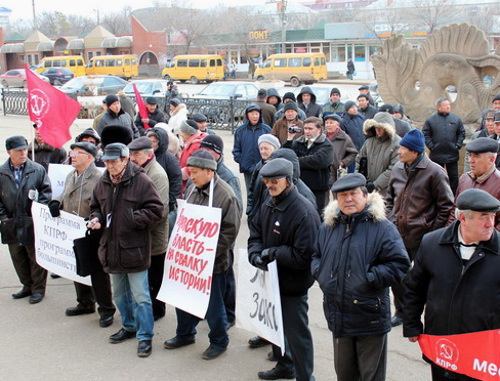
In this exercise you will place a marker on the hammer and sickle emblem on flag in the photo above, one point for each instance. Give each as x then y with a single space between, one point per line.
39 103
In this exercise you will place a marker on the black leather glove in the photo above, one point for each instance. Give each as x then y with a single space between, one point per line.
257 261
54 206
267 255
370 186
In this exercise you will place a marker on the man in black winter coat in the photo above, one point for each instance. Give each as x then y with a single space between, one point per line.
444 135
315 154
455 277
284 230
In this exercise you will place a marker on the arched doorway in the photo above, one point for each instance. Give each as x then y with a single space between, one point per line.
148 64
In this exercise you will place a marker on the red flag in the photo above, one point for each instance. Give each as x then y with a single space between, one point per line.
51 110
474 354
143 111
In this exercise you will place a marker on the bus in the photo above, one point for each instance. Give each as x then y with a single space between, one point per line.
195 68
75 63
124 66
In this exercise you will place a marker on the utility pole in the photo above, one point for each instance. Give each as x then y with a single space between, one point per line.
34 14
283 25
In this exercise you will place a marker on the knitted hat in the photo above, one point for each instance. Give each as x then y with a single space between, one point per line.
213 142
271 139
290 95
262 93
110 99
348 105
175 102
290 106
277 168
398 108
335 91
86 146
202 159
189 127
414 140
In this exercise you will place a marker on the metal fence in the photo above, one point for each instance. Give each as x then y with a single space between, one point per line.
222 114
14 101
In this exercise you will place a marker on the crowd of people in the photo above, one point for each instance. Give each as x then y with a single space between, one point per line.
341 193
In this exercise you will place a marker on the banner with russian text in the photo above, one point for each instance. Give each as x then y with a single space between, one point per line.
474 354
258 302
189 263
54 238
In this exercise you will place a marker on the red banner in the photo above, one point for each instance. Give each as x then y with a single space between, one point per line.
474 354
51 110
143 111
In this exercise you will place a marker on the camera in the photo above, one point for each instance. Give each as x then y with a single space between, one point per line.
294 129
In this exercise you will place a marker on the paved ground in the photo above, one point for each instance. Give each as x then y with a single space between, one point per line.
40 342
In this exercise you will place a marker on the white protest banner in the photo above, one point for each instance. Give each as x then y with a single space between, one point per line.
190 258
57 174
54 241
258 302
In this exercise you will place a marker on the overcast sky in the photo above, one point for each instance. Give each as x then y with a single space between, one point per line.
23 8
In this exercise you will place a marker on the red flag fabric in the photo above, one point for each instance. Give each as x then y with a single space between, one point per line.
143 111
476 354
51 110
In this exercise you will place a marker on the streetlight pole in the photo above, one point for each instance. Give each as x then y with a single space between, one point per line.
283 25
34 14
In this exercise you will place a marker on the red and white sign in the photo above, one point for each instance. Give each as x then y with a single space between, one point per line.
474 354
189 263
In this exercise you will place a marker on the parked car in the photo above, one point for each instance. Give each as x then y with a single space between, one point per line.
17 78
93 85
147 87
226 90
58 75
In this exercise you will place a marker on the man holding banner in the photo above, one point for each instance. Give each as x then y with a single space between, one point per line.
75 199
455 277
284 229
209 189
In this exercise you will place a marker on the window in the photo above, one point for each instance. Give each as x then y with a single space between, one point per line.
373 50
127 62
338 54
316 61
323 61
72 63
212 63
194 63
296 62
219 62
134 61
56 63
119 62
79 62
110 63
47 64
203 63
99 63
36 59
280 62
359 53
182 63
307 62
267 63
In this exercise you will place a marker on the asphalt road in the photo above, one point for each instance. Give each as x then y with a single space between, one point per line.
40 342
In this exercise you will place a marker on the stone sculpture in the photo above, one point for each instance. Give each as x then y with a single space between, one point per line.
456 55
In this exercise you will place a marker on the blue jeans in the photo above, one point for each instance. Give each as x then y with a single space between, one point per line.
131 295
216 317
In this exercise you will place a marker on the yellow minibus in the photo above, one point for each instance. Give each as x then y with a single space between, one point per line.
195 68
124 66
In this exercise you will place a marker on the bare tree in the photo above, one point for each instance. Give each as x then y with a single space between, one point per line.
53 24
433 13
118 22
81 25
